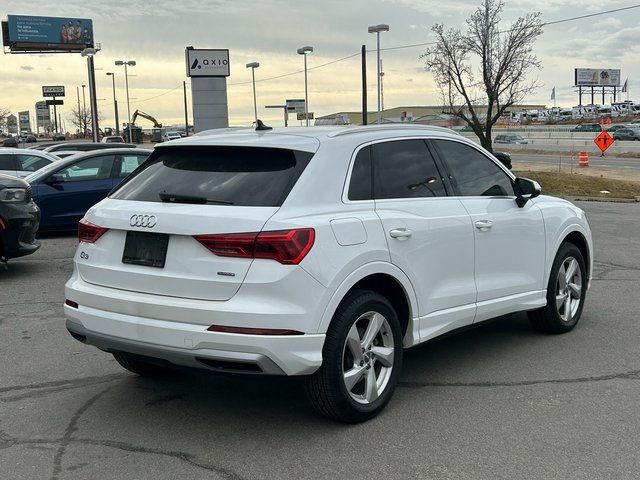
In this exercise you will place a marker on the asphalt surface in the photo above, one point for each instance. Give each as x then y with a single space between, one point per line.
609 162
496 402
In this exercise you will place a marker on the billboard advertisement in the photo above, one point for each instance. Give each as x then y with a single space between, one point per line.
53 91
43 115
597 77
29 33
24 121
207 62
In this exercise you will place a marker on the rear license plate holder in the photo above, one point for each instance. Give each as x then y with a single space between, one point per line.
146 249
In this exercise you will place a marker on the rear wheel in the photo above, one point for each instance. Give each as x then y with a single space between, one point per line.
565 293
136 365
362 358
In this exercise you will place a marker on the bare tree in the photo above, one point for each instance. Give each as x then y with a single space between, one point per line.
81 119
504 59
4 113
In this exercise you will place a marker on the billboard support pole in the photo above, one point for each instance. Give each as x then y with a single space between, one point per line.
92 98
55 116
186 118
580 96
592 97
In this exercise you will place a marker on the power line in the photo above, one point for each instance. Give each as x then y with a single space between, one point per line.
571 19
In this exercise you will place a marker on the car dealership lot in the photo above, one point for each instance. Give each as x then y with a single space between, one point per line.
498 401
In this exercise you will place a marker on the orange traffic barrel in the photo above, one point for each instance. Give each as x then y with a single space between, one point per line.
583 159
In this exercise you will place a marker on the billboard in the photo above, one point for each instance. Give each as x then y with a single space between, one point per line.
43 115
53 91
207 62
597 77
295 105
24 121
47 34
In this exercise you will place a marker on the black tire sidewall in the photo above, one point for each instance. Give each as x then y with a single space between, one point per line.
343 320
566 250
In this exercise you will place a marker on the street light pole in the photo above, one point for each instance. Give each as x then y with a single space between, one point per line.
253 66
93 98
84 113
304 51
131 63
377 29
115 102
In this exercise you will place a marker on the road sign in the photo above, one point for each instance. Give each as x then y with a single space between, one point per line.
295 105
603 141
301 116
55 102
53 91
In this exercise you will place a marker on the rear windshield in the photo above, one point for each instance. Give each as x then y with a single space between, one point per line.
244 176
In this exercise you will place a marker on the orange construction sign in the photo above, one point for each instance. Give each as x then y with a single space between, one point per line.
603 141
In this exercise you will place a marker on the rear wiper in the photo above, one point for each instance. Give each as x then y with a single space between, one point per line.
178 198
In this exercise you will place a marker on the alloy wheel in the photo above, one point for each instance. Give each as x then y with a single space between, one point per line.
569 289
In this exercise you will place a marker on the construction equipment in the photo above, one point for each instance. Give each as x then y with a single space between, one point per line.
156 131
139 113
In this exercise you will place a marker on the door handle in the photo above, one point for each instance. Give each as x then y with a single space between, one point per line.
484 224
400 233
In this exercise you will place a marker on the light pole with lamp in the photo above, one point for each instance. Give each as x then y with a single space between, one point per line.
377 29
115 102
131 63
90 53
253 66
304 51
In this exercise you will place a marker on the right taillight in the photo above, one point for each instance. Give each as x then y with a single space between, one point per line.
89 232
288 247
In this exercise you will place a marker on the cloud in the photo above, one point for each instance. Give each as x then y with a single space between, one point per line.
28 68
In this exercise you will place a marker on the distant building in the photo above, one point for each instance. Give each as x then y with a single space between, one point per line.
12 124
432 115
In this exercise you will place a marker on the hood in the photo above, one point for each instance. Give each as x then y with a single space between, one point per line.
7 181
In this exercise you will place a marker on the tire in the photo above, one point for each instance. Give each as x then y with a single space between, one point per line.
342 353
561 314
134 364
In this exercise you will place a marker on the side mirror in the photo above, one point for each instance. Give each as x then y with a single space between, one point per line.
55 178
525 190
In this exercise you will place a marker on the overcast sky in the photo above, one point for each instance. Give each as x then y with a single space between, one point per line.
155 34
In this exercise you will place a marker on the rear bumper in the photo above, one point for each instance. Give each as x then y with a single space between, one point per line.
190 345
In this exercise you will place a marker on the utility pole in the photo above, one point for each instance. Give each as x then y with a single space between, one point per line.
364 85
186 118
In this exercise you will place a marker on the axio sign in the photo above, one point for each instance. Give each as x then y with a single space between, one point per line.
207 62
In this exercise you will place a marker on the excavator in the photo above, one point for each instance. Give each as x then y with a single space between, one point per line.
156 132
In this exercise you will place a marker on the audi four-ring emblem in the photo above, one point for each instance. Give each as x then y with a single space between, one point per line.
146 221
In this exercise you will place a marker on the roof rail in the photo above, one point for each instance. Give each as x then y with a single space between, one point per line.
388 126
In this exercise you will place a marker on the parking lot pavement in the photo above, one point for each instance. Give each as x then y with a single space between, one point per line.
498 401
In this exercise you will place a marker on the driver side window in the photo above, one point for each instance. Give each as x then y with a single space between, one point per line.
473 174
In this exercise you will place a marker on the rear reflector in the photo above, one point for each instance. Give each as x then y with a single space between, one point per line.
252 331
88 232
71 303
288 247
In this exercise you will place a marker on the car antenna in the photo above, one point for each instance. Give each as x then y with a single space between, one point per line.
261 126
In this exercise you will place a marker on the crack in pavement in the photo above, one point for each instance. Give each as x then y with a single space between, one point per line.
7 441
630 375
45 388
72 427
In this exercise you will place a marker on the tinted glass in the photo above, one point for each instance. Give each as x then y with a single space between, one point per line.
31 163
473 173
361 180
7 162
245 176
94 168
405 169
129 163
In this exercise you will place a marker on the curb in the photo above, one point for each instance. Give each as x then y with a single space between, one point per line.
601 199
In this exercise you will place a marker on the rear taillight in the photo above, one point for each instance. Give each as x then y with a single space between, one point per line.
88 232
288 247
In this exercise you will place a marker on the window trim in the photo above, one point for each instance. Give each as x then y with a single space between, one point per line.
426 139
482 152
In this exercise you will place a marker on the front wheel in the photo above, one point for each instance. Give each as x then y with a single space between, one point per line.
362 358
565 293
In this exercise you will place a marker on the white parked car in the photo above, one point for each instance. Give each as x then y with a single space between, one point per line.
167 137
322 252
20 162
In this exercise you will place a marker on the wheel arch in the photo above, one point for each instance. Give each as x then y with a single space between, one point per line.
578 236
387 280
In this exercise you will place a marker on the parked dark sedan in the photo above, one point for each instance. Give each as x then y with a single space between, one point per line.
626 134
10 142
66 189
19 218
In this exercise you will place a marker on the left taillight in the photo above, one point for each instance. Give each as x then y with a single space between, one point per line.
89 232
288 247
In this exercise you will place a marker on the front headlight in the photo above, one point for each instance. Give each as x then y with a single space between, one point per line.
13 195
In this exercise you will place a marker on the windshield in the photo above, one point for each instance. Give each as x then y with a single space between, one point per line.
244 176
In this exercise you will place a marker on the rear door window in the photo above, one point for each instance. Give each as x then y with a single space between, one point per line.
244 176
7 162
31 163
361 184
129 162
